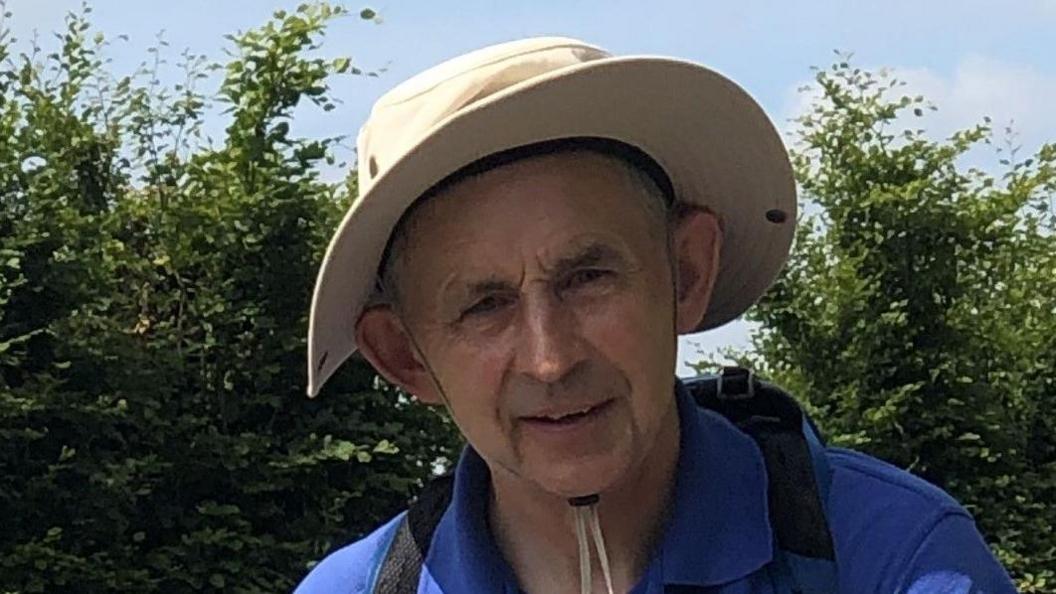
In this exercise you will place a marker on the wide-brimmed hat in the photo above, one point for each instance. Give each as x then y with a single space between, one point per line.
711 138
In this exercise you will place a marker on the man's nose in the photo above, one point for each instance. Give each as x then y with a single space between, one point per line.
549 345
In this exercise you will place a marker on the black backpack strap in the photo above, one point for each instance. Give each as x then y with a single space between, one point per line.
798 474
401 568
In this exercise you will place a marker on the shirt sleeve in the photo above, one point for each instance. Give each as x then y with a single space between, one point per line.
350 570
953 559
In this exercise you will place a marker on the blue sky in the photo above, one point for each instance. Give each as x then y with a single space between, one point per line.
970 57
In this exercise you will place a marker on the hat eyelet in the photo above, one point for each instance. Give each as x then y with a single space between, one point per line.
372 167
776 215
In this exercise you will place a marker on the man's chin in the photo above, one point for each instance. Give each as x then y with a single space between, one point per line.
580 478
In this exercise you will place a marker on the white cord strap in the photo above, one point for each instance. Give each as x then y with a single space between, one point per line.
599 542
585 585
582 507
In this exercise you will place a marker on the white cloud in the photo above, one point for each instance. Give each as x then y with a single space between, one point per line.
978 87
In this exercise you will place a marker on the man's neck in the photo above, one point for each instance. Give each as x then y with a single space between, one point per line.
535 530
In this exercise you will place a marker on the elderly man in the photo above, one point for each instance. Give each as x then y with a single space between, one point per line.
537 223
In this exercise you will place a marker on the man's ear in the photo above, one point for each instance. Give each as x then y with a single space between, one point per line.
385 342
696 246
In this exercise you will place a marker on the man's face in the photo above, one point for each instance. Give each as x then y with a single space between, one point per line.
540 296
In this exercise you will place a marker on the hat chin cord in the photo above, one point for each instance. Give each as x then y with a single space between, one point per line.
585 510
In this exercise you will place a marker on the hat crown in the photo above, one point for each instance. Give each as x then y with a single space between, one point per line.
408 112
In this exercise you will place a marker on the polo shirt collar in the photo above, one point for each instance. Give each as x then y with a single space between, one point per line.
718 531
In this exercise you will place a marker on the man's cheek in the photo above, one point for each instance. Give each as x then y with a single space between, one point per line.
478 380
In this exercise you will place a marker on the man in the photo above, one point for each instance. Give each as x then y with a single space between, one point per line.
538 221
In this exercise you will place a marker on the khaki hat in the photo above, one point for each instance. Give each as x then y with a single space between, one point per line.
717 146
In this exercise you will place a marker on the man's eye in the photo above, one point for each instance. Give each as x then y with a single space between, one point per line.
585 277
485 305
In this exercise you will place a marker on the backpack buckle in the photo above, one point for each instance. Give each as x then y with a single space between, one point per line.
735 383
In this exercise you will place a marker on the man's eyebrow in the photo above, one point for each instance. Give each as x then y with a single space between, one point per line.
486 286
592 254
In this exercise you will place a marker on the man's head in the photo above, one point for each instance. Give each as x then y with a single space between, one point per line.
715 145
540 300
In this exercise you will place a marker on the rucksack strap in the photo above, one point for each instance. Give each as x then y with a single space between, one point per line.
798 473
401 568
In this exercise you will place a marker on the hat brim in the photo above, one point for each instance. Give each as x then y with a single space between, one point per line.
714 141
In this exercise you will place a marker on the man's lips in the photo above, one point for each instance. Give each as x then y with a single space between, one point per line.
567 414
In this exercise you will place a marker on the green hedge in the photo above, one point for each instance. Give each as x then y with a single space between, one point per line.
154 288
918 311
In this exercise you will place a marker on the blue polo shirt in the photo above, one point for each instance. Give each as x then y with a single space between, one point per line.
893 532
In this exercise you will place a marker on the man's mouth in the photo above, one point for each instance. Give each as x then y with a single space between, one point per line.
568 417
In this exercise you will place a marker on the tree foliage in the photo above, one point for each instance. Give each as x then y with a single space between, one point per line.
918 311
154 289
